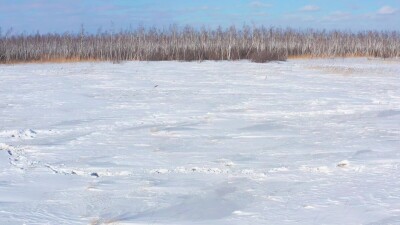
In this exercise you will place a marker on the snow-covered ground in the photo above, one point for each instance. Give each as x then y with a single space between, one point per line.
297 142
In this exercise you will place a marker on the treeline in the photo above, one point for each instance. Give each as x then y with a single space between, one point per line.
258 44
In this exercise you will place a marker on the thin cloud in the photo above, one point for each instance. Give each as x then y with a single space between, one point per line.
259 4
299 17
387 10
354 7
338 16
309 8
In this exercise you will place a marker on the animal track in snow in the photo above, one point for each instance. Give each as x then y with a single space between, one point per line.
20 160
19 134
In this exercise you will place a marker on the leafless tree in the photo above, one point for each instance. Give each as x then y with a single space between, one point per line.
259 44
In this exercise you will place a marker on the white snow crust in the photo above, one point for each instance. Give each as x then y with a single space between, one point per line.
297 142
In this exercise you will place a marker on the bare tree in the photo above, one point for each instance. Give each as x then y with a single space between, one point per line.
258 44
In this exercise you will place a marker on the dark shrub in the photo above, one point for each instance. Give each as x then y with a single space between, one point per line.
268 56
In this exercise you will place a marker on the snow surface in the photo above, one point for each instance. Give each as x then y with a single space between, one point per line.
297 142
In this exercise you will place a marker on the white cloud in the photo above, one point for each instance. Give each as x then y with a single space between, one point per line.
259 4
387 10
309 8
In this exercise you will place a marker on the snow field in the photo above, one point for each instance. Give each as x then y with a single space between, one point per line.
297 142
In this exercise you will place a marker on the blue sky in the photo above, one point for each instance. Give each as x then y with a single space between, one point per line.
68 15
